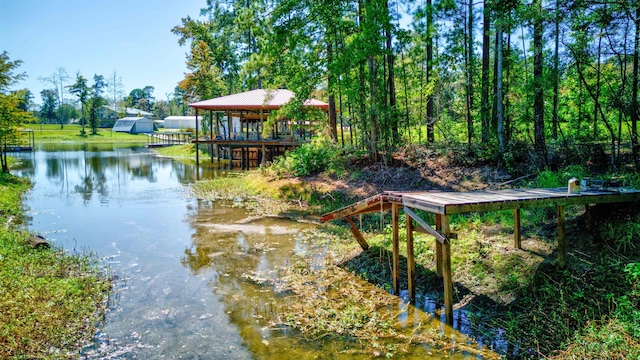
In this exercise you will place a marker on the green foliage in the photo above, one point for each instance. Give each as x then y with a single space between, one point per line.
11 189
12 115
310 158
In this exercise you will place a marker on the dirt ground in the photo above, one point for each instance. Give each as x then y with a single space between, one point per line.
414 168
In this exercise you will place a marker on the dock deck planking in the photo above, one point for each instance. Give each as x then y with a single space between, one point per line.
444 204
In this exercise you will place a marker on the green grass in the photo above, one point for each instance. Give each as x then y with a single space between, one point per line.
187 151
50 301
45 133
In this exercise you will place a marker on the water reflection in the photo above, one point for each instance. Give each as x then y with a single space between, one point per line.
187 267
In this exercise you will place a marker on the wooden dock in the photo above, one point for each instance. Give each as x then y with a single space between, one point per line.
168 139
246 153
444 204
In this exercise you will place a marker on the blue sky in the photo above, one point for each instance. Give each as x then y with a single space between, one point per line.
132 37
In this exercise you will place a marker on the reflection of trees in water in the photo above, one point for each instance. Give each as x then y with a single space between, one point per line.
93 177
91 169
239 253
184 172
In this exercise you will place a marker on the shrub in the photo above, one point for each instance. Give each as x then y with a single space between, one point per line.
311 158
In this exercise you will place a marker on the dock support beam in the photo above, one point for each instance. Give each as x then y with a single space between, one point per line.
396 249
562 245
357 234
411 264
517 237
446 271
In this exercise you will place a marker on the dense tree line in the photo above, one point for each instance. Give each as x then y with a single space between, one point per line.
550 77
91 99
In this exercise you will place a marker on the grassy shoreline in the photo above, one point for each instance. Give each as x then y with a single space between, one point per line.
545 311
51 301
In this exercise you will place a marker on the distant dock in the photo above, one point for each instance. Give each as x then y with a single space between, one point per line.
157 140
25 141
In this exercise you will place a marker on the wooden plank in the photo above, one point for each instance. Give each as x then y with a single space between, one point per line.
430 207
424 225
357 234
396 250
411 264
517 238
439 247
372 201
508 199
562 247
446 272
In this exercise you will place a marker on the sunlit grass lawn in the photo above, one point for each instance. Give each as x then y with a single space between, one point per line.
72 133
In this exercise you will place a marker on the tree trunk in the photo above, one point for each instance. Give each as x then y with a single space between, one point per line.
486 121
3 157
469 64
507 102
499 96
373 134
333 124
430 118
538 86
556 75
634 91
596 99
395 136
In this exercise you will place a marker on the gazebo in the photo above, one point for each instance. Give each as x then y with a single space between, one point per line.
246 114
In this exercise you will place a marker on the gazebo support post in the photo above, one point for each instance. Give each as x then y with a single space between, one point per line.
197 148
211 134
229 128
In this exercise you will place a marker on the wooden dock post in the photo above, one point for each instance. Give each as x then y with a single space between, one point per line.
446 271
411 264
396 249
517 237
562 246
439 246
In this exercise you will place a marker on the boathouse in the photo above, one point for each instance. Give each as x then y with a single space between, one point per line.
237 125
134 125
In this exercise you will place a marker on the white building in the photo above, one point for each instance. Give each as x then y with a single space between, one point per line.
180 122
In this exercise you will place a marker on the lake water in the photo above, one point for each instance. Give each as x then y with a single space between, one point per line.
180 262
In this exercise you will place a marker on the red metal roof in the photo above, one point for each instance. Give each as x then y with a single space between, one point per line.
254 100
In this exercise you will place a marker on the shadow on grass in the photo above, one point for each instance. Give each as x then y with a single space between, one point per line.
546 310
7 179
